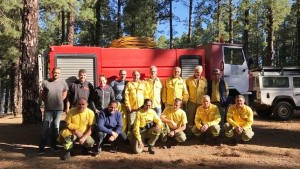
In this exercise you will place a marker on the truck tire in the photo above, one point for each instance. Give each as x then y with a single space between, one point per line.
264 113
283 111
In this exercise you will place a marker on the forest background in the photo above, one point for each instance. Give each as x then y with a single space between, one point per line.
268 29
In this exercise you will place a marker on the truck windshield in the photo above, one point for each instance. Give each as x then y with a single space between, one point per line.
233 56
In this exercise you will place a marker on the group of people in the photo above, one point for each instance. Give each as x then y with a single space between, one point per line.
140 112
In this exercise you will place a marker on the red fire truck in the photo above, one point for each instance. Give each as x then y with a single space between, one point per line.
229 58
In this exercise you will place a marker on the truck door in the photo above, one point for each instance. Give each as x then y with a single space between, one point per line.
296 86
71 63
235 69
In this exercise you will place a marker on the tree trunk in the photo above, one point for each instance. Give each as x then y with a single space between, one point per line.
230 22
190 22
29 62
98 23
63 35
246 29
171 25
17 89
270 39
70 28
298 31
119 20
218 20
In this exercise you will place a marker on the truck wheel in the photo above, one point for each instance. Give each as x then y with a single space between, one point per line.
283 111
264 113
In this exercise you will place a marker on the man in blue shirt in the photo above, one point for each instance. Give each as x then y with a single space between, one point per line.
109 127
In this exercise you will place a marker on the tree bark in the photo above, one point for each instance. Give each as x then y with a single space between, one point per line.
246 29
17 89
119 20
70 28
63 35
190 22
171 25
270 35
29 62
230 22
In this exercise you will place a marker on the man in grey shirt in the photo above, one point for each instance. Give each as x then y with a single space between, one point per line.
53 93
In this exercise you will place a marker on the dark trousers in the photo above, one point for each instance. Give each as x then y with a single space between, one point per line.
101 137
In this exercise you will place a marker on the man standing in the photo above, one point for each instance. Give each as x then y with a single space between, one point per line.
53 93
109 127
118 87
174 88
239 120
197 88
135 94
154 90
79 128
81 88
102 95
174 119
207 119
218 91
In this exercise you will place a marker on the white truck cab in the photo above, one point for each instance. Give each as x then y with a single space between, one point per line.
276 91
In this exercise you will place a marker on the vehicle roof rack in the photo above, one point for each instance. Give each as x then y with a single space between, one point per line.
277 69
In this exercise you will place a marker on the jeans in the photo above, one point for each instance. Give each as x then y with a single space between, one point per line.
50 124
101 137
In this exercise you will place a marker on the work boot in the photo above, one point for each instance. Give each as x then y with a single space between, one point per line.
96 153
233 142
151 150
67 155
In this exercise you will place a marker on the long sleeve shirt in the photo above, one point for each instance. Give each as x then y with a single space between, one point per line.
196 88
242 117
154 91
210 116
178 116
142 119
108 122
78 121
174 88
102 96
135 94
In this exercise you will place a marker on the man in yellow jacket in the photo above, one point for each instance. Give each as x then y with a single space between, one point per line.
207 119
79 128
197 88
147 125
174 119
175 87
154 90
239 120
135 94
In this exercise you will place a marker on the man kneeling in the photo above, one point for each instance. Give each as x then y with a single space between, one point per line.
109 128
207 119
147 125
79 123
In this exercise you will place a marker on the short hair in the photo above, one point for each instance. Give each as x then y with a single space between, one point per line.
81 98
147 100
56 68
206 96
177 100
122 71
112 102
216 70
136 71
102 75
199 67
239 96
81 71
176 68
153 67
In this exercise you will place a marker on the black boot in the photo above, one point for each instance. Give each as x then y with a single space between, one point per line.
66 155
151 150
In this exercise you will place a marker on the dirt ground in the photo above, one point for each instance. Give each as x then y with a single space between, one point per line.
275 145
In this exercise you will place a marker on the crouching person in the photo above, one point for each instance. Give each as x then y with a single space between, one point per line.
239 121
109 128
174 122
207 119
79 123
147 125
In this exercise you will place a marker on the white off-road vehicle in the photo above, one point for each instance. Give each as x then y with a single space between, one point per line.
276 91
